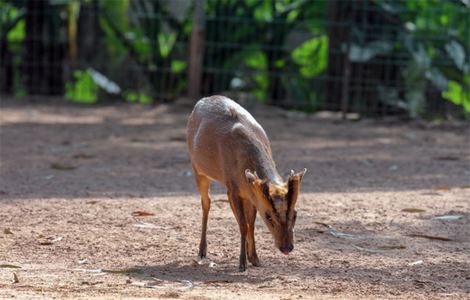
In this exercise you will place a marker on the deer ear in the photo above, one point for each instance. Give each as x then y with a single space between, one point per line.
251 177
293 186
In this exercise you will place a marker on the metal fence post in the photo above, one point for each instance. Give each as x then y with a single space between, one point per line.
196 49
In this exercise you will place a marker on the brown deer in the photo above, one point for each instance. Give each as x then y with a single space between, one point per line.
228 145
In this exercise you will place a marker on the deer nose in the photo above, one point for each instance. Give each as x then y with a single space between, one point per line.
286 249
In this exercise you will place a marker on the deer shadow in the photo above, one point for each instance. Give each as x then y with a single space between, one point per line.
196 274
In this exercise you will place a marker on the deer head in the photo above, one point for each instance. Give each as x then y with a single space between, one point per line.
276 205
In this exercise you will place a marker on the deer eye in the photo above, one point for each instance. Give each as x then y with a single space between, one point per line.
268 217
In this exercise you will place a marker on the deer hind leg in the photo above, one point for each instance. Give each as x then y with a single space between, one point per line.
250 213
203 184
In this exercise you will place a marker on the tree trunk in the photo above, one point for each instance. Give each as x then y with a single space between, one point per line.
34 63
6 68
276 90
45 49
338 34
88 33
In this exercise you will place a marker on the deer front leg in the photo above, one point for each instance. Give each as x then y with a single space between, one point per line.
203 184
250 213
236 203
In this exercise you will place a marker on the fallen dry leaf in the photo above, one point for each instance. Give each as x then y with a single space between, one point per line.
431 237
50 241
448 158
145 225
370 250
218 281
150 284
415 263
380 248
153 226
57 239
7 231
91 283
323 224
413 210
123 271
170 295
89 270
391 247
442 187
45 243
62 166
10 266
83 156
340 234
141 213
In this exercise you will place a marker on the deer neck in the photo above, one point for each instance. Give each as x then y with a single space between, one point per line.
265 167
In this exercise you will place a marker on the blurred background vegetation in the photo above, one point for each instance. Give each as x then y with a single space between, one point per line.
373 57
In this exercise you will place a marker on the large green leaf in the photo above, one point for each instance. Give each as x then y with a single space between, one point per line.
17 34
117 11
437 78
457 53
457 95
9 15
166 41
83 90
312 56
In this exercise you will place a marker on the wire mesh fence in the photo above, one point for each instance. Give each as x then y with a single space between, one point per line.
374 57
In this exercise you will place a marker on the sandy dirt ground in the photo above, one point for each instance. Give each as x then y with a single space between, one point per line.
100 203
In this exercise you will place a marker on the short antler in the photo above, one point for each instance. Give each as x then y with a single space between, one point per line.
298 175
251 176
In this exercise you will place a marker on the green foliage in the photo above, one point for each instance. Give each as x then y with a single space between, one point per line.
369 51
17 34
269 45
12 21
426 57
261 59
116 10
250 67
456 52
312 56
138 97
83 90
457 95
115 49
146 33
141 43
166 41
178 66
257 60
